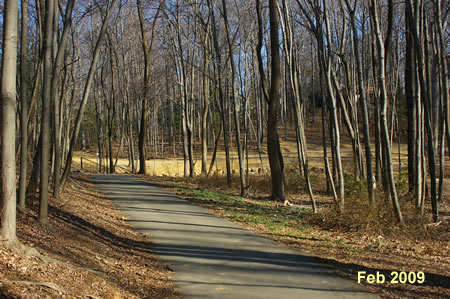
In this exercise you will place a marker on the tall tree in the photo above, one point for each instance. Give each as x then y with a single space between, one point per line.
234 98
86 92
273 143
45 121
144 110
362 95
419 46
24 105
59 59
382 49
410 96
8 129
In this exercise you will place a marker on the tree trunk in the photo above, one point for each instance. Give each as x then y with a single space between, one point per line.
45 120
8 235
24 107
410 98
362 95
273 144
54 95
387 156
221 95
86 92
204 131
144 110
234 97
292 70
418 46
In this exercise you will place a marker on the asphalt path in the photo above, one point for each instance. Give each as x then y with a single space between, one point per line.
213 258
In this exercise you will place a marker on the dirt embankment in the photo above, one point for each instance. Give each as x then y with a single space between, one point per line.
86 251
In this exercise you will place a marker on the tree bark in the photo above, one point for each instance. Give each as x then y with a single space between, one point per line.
24 107
8 120
147 49
273 144
45 120
54 95
410 98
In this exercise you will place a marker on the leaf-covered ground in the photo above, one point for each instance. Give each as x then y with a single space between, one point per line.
347 249
87 251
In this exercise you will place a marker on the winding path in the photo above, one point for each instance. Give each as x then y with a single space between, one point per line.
213 258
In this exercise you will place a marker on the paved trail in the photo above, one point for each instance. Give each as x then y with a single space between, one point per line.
213 258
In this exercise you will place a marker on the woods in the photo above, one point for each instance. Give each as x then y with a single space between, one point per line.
146 80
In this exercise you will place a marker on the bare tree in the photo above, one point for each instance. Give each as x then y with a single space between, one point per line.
273 143
86 92
8 235
54 94
24 106
234 98
363 100
147 53
419 45
45 121
382 48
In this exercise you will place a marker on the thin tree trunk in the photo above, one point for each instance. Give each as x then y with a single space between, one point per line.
221 94
418 46
362 95
86 92
387 155
234 97
204 131
443 46
24 106
54 95
410 98
293 71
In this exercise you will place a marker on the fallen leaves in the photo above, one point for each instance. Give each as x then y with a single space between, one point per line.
87 251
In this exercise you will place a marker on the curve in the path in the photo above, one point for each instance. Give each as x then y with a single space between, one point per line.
213 258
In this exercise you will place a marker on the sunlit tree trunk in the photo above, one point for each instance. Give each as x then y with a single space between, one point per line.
24 106
234 98
54 95
362 98
8 129
420 56
387 155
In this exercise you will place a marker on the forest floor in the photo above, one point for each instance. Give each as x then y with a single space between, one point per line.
363 240
87 251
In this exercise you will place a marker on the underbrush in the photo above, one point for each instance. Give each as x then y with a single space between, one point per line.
377 219
358 215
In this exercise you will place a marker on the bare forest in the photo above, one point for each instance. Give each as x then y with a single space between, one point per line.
338 106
